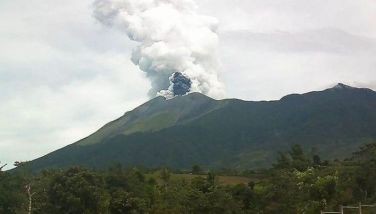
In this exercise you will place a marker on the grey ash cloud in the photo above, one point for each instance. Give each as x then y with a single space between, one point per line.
181 84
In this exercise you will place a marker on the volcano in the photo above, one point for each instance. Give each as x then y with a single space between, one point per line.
196 129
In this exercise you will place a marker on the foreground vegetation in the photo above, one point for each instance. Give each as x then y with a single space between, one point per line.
297 183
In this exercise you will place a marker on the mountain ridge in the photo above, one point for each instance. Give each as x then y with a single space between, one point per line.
196 129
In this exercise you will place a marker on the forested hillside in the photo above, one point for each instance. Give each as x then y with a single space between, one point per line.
196 129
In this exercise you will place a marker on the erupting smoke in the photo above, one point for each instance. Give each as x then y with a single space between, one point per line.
180 84
178 47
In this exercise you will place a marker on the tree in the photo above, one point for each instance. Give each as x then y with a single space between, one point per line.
12 197
299 159
365 154
165 175
316 160
244 194
2 167
365 175
196 169
124 202
78 190
293 159
211 179
30 195
283 161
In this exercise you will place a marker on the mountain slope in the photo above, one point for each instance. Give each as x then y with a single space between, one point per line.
196 129
155 115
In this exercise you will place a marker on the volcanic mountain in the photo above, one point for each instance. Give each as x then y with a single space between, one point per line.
195 129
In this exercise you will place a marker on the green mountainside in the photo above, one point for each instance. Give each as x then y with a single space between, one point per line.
156 115
195 129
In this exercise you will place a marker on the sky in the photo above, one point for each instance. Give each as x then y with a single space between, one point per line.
63 75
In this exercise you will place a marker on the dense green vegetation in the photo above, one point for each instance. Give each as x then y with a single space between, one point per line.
196 129
297 183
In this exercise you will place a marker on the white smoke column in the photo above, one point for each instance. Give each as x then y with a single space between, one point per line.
173 38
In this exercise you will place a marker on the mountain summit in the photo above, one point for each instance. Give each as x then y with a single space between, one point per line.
195 129
342 86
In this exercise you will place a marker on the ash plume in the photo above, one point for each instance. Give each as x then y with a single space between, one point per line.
177 46
180 84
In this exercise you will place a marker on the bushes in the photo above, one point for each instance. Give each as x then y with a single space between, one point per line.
296 184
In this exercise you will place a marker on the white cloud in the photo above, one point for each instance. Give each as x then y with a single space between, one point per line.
271 48
279 63
293 15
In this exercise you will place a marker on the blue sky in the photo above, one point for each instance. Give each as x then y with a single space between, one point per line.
63 75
